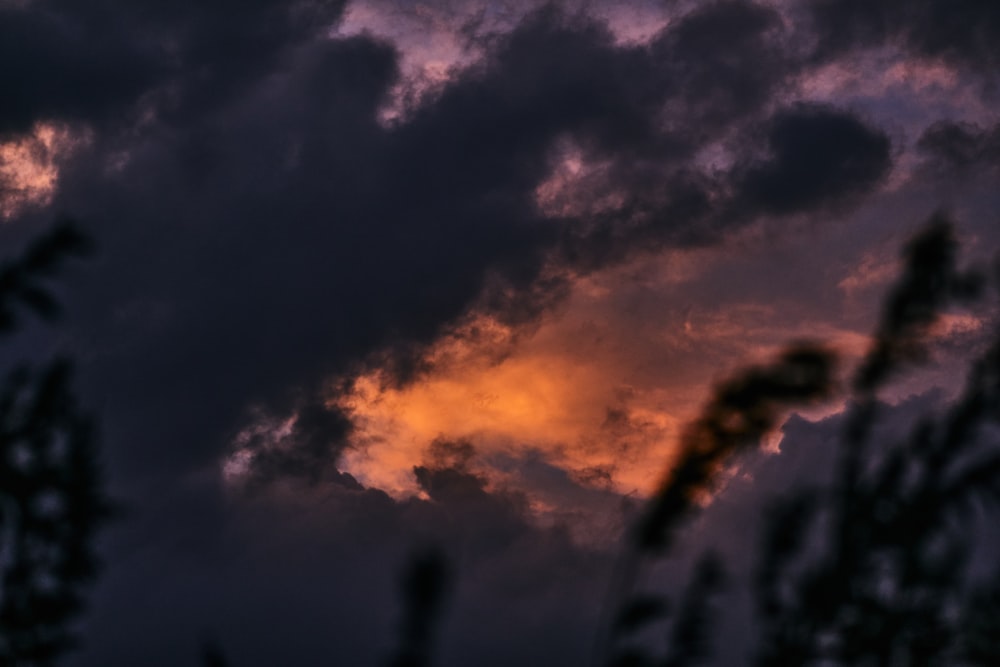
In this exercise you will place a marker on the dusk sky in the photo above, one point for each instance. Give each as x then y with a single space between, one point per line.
373 276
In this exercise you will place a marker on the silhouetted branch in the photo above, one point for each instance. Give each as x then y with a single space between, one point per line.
892 573
874 570
424 586
51 497
212 656
742 412
691 641
21 280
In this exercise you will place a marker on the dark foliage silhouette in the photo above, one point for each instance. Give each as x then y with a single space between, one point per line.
51 498
212 656
22 281
873 570
891 578
424 585
742 412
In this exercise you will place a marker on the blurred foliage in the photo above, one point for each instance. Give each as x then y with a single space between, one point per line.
424 586
51 494
873 570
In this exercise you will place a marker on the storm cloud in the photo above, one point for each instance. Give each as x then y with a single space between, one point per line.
267 235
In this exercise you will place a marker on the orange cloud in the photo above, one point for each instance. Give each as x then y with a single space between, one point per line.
535 398
29 166
601 387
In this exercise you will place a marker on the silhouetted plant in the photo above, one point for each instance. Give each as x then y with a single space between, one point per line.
872 571
51 497
212 656
423 588
742 412
890 580
22 280
424 585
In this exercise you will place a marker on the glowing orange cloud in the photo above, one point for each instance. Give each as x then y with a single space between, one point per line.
535 398
600 388
29 167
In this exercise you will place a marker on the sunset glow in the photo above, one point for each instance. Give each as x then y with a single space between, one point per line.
531 400
29 167
537 300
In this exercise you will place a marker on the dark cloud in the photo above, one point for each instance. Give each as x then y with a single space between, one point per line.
450 454
468 503
505 562
262 232
275 234
70 65
96 62
722 62
309 452
253 283
949 145
310 580
816 158
965 33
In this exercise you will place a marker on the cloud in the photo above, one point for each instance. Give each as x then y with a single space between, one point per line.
817 157
72 65
265 232
964 32
723 61
306 578
306 447
96 62
949 145
29 167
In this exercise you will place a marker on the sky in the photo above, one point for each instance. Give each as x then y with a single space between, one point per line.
377 275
